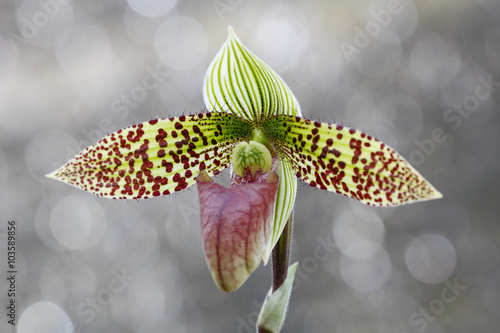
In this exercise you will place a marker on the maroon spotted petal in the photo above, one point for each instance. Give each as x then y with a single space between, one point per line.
340 159
156 157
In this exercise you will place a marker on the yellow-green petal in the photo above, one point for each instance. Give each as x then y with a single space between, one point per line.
346 161
157 157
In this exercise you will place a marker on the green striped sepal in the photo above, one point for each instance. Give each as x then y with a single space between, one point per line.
157 157
346 161
238 81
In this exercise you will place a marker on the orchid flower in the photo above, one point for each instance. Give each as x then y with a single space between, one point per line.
255 125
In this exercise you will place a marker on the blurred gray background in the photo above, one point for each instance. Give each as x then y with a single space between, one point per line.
423 76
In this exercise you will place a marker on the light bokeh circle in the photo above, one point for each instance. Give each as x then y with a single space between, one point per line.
44 317
84 52
181 43
152 8
431 258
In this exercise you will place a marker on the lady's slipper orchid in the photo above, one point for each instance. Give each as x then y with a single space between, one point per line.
256 124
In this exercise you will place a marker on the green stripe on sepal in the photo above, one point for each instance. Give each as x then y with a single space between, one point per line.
157 157
346 161
237 81
285 201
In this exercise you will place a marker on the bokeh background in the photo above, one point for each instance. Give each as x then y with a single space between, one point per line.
422 76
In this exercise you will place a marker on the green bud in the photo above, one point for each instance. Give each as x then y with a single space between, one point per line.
273 310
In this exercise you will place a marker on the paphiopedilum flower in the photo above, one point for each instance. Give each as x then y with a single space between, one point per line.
248 102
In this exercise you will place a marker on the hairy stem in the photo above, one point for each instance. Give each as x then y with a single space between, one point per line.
281 255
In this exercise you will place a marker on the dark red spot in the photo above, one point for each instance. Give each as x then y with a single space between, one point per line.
181 186
168 165
335 152
138 134
324 151
146 165
176 177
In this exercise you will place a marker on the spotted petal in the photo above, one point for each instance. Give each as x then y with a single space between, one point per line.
238 81
156 157
346 161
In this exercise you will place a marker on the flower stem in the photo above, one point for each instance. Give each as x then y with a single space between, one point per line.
281 255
